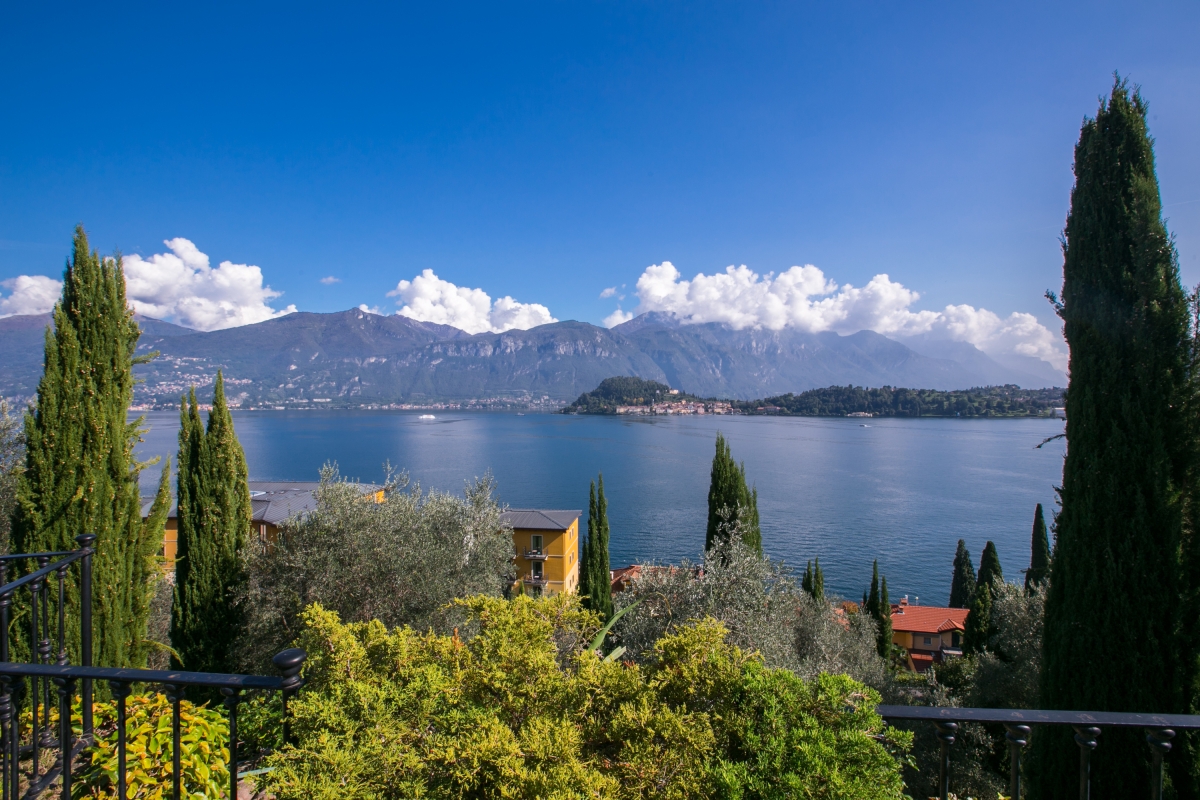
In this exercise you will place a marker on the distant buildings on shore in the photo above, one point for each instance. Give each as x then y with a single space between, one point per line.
681 407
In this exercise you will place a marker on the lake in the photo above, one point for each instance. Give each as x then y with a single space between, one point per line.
899 490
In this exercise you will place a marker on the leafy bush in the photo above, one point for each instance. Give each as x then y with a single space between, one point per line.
400 561
522 710
204 751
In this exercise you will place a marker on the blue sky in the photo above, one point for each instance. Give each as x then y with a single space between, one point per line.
548 151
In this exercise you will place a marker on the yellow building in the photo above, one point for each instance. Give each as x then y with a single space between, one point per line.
271 504
547 549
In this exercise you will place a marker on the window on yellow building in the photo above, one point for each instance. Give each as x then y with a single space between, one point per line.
535 543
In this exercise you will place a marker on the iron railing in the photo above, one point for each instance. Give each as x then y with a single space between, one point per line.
1160 730
29 684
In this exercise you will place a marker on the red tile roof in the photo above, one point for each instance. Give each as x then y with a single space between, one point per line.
927 619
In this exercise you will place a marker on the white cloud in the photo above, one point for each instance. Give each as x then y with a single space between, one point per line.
616 318
366 309
428 298
802 297
609 292
329 280
180 286
30 294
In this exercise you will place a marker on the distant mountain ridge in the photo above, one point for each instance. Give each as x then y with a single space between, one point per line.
357 358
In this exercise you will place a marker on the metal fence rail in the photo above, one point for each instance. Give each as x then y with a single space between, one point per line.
1160 729
29 684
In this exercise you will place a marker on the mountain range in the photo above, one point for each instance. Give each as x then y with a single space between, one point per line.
355 358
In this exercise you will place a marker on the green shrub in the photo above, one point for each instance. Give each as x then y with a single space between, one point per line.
523 710
204 753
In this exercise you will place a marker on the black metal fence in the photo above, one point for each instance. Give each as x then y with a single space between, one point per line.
1160 730
29 685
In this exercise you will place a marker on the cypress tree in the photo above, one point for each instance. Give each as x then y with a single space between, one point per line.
979 620
871 604
1039 552
80 474
813 581
585 560
601 576
884 618
989 568
214 523
1119 534
962 586
728 493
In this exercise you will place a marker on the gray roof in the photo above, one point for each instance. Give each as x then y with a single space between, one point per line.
539 519
274 502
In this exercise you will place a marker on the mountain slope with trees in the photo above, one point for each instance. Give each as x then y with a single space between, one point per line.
354 358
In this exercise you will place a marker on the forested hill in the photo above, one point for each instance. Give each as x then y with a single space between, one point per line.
838 401
623 390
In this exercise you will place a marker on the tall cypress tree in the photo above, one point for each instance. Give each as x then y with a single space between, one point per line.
728 493
979 621
585 560
813 581
601 576
214 523
872 601
884 619
962 586
1119 533
80 474
1039 552
989 568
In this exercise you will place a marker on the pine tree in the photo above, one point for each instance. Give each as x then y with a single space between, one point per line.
990 572
214 523
884 620
729 495
962 586
1039 557
806 583
80 474
1119 533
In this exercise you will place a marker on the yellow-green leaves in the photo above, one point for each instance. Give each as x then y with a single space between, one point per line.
204 753
522 708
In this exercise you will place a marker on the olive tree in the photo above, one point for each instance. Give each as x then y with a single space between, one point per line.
400 561
761 604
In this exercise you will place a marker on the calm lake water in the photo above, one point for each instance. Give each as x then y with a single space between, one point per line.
899 490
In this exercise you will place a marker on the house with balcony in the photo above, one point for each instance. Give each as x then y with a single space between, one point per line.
546 544
928 634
